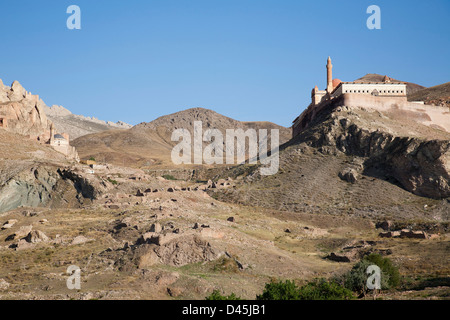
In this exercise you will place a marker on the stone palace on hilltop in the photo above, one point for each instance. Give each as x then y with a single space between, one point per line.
388 95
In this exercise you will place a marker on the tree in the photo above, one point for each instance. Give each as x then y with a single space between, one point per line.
321 289
287 290
356 278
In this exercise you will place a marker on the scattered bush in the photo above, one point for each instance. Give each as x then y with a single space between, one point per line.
356 279
321 289
215 295
387 267
114 182
168 177
226 265
318 289
287 290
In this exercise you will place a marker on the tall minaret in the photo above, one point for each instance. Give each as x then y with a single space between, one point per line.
329 76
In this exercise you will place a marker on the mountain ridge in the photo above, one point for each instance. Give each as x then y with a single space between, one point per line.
149 143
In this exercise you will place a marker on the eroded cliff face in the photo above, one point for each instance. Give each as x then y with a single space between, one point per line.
23 113
419 164
48 186
29 188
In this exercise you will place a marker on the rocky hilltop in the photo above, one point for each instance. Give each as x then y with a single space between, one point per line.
78 125
23 113
355 161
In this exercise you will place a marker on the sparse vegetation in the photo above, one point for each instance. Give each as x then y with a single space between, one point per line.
114 182
318 289
280 290
356 278
226 265
216 295
169 177
322 289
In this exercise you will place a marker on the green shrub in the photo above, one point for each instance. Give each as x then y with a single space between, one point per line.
387 267
215 295
318 289
321 289
356 279
168 177
92 159
114 182
287 290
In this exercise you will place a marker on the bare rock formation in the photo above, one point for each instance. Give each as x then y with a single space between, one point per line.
419 164
22 112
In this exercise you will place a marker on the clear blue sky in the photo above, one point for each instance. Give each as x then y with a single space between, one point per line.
251 60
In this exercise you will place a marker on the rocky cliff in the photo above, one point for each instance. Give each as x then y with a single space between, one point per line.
354 161
23 113
420 164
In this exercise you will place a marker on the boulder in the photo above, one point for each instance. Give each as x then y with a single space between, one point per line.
23 245
156 227
36 236
4 285
386 225
80 240
9 224
349 175
22 232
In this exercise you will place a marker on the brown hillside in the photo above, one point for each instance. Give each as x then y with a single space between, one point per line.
149 143
373 77
437 95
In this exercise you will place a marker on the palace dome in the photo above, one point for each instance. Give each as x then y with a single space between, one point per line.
336 82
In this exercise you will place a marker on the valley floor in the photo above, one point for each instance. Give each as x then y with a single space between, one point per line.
205 251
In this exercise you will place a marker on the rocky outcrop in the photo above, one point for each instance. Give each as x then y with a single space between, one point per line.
421 166
88 187
36 236
30 188
37 186
23 112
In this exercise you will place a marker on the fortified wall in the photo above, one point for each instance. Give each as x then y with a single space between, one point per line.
434 116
